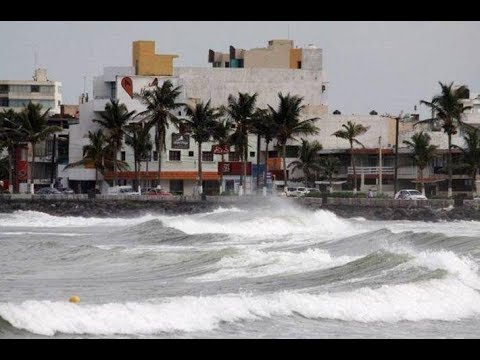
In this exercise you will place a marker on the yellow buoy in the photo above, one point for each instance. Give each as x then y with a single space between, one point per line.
74 299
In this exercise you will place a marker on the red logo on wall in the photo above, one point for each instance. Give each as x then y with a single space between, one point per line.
217 149
233 168
127 85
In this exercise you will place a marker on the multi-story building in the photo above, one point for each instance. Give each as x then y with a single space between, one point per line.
266 77
17 93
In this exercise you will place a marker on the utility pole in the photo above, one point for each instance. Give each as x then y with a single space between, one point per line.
52 170
397 121
380 165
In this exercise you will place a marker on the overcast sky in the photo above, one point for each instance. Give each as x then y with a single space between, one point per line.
386 66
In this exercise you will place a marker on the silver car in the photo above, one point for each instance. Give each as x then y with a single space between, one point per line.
410 194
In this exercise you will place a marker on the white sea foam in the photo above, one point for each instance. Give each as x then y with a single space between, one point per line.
29 218
264 224
445 299
40 233
255 263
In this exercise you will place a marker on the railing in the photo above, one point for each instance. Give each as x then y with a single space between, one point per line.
371 170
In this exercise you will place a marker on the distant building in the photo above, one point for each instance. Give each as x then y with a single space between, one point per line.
266 72
17 93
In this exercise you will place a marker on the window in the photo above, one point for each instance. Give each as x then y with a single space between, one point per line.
292 151
34 88
207 156
113 90
299 64
233 156
176 187
155 156
227 64
273 154
3 101
3 89
174 155
252 153
190 153
122 155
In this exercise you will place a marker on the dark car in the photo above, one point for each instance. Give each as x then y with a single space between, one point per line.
48 191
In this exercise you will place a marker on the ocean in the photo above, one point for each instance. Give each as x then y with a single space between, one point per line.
272 271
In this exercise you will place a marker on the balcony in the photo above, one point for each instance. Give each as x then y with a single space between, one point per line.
371 170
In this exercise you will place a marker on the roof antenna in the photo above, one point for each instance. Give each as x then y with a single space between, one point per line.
288 31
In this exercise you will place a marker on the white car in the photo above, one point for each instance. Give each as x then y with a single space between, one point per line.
410 194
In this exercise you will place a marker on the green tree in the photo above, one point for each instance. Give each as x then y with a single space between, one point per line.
329 167
97 154
160 102
201 122
137 136
10 137
471 154
423 153
308 160
350 132
266 127
448 109
33 124
288 123
114 119
241 109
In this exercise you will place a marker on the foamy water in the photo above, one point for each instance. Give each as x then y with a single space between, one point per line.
238 272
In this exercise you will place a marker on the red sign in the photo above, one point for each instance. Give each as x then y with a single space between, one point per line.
127 85
22 170
219 149
233 168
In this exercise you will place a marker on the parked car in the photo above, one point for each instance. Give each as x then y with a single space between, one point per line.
410 194
298 191
48 191
122 190
67 190
159 192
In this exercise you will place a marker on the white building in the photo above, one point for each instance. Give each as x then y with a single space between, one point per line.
17 93
179 162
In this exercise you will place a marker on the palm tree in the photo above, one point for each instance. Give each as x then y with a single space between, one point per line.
350 132
97 154
160 102
423 152
221 134
266 128
202 123
259 118
241 110
34 127
288 123
471 154
139 139
10 136
114 119
447 108
308 160
329 166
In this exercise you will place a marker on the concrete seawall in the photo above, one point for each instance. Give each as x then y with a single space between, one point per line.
108 206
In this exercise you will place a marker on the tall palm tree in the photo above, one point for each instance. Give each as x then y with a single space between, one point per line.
268 129
202 122
114 119
241 109
259 117
221 134
350 132
138 138
329 166
447 108
34 126
10 136
423 152
160 102
288 123
96 154
471 154
308 160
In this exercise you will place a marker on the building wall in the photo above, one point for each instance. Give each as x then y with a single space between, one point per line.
312 58
295 57
218 83
146 62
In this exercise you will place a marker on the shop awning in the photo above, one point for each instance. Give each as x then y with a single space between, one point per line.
164 175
